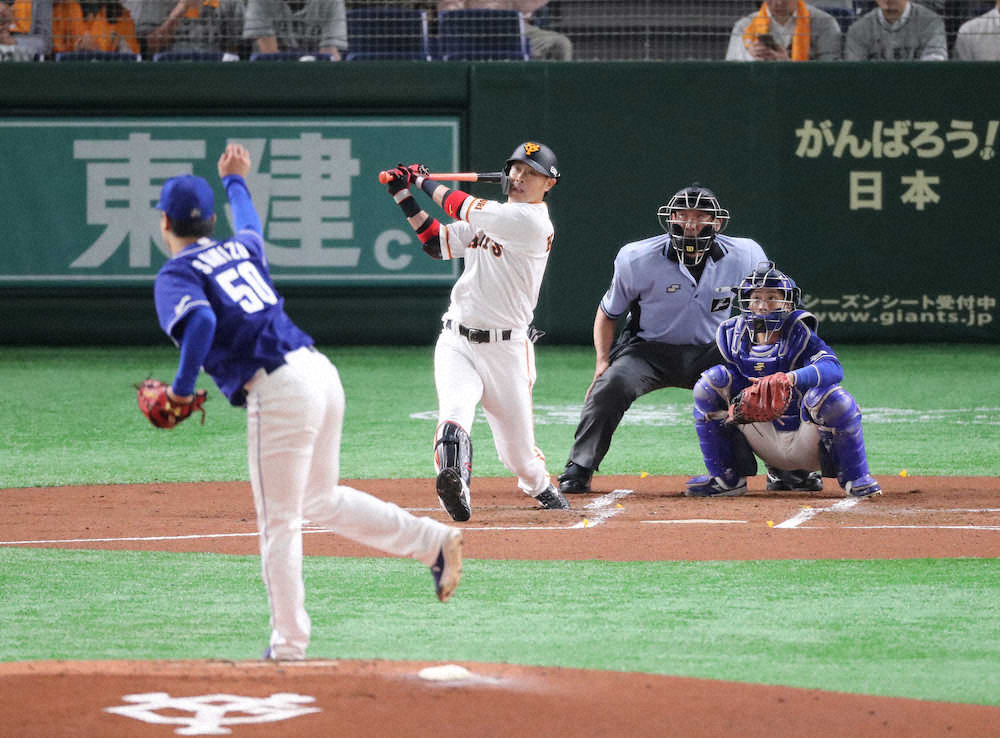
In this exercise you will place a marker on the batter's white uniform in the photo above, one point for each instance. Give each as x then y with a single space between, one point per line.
506 247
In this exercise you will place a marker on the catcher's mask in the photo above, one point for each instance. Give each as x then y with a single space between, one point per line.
766 297
536 155
692 249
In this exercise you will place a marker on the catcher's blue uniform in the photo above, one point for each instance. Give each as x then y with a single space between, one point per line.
820 428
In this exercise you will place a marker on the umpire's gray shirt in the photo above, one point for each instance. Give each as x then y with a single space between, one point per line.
917 35
318 24
672 307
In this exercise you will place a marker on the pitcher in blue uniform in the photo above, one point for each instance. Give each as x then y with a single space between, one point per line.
821 427
216 300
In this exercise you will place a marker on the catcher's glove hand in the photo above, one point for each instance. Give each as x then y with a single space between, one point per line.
763 401
163 412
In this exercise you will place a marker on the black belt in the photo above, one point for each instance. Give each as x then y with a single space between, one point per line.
477 335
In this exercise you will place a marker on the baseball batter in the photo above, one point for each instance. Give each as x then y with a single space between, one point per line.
216 300
676 290
807 420
485 353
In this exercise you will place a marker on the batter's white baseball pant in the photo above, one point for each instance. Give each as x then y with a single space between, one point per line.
499 375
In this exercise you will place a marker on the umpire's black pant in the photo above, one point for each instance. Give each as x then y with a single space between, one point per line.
637 367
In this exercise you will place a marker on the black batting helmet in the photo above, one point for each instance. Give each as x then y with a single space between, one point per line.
536 155
695 197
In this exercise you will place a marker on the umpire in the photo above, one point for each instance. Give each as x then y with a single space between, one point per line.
676 289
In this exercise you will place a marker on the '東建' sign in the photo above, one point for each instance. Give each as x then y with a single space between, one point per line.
80 195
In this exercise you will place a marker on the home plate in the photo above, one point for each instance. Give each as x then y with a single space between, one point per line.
445 673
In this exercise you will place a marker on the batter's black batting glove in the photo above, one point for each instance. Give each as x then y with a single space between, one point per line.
400 179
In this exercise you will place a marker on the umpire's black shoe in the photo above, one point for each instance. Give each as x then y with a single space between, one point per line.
552 499
454 494
783 480
575 479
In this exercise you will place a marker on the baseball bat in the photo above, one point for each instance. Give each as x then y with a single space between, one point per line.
385 176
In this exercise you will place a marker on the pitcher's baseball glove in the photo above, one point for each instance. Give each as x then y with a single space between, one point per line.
163 412
763 401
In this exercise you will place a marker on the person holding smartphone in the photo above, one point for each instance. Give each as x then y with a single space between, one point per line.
786 30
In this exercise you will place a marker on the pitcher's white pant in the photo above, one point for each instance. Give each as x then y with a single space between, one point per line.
294 420
499 375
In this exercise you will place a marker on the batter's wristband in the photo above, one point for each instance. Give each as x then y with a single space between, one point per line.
409 206
429 185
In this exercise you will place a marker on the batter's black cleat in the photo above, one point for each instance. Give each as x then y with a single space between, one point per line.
575 480
454 494
552 499
783 480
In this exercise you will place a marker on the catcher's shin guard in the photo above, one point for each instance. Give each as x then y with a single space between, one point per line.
842 442
726 451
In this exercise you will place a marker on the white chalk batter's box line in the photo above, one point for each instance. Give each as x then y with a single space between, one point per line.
601 511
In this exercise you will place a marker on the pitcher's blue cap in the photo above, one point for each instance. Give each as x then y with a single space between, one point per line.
187 197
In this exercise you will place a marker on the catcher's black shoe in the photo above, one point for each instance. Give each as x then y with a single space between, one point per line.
454 494
783 480
575 479
552 499
706 486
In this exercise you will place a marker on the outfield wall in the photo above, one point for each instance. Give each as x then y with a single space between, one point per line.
875 186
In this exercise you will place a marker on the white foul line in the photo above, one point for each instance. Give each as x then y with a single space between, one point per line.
808 513
704 521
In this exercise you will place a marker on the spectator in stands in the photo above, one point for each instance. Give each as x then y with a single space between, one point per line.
10 50
786 30
93 25
297 25
32 25
545 44
897 30
189 25
979 38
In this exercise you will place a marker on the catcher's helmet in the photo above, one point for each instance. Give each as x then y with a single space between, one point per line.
773 316
536 155
692 249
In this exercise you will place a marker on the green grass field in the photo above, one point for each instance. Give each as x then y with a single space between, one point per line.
71 416
913 628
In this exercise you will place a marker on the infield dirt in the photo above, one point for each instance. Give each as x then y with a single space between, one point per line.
917 517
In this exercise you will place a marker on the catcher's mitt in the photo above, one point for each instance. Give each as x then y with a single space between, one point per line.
163 412
763 401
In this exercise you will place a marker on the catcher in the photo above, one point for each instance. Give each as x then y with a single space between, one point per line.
777 396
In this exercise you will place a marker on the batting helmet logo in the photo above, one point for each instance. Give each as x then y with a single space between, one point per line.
531 147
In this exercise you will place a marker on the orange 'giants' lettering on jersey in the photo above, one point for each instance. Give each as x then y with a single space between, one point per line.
482 241
530 148
479 204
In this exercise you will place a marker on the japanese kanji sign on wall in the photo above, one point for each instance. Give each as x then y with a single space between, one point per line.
79 195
